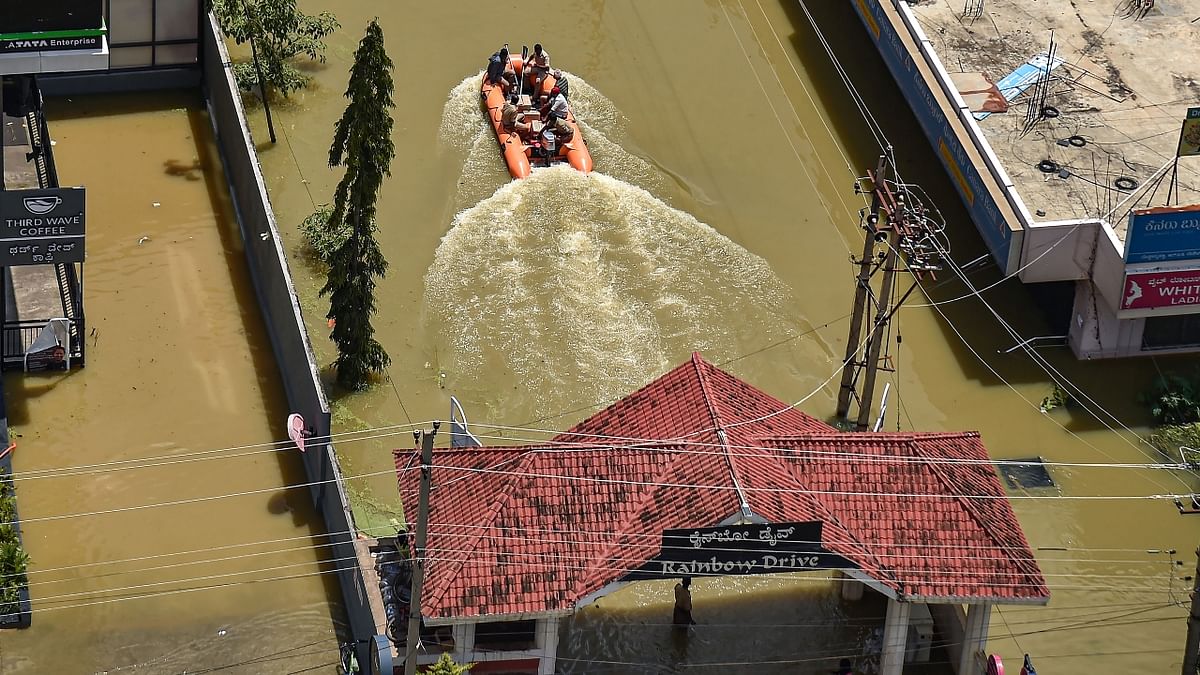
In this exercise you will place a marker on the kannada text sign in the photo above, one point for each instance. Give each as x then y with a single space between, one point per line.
1163 234
39 227
765 548
1150 290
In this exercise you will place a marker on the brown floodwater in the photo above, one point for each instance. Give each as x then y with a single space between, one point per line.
720 219
178 366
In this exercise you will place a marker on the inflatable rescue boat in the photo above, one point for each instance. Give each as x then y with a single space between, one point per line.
522 154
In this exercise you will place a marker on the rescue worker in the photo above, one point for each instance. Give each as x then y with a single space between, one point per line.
539 66
513 120
564 133
556 107
549 147
560 81
495 71
682 616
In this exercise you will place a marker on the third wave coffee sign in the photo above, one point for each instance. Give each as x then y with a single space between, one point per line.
767 548
40 227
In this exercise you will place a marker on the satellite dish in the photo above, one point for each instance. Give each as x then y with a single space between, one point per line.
296 432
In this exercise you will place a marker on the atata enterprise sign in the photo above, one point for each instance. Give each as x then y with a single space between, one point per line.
39 227
1163 234
48 26
1175 289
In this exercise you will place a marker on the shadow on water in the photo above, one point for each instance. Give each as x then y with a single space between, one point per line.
1017 303
297 501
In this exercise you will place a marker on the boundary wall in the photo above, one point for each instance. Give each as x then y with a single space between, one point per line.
281 313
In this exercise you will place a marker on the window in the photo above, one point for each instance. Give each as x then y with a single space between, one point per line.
1170 332
153 33
508 636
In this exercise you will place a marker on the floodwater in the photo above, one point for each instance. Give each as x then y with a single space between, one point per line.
179 401
721 219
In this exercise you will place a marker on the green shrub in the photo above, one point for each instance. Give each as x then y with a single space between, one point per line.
1058 397
14 562
322 241
1169 439
1174 400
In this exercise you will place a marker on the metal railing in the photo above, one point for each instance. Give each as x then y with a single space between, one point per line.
18 335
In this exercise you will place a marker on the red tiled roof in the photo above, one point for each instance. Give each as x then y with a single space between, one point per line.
534 529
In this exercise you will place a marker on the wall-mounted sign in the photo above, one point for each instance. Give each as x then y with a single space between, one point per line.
1189 136
47 26
740 549
39 227
1163 234
1150 290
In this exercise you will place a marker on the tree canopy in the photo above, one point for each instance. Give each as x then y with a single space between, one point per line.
281 32
362 143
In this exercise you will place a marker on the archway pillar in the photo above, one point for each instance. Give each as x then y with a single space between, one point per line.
895 637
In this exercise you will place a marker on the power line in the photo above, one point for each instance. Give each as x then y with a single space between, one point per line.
726 488
774 452
206 455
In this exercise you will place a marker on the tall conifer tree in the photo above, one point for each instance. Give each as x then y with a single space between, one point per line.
362 142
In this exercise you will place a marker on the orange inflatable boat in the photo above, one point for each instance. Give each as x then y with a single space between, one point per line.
520 154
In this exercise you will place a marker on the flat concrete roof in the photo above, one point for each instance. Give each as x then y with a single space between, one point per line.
1124 88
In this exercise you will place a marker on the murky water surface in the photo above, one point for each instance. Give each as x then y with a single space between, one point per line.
720 219
178 367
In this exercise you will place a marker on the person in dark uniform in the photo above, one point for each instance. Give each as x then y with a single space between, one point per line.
682 615
495 71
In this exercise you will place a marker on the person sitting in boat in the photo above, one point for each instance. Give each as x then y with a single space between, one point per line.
560 81
496 71
539 66
563 132
549 144
556 107
513 120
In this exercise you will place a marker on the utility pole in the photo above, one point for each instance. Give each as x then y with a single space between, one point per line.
902 224
862 289
1191 649
418 567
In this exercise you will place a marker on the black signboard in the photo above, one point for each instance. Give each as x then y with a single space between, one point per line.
45 26
24 16
768 548
39 227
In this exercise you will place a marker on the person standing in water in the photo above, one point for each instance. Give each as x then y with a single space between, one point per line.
682 616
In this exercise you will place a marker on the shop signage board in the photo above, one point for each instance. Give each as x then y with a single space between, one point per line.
1163 234
1189 136
39 227
767 548
1177 289
49 26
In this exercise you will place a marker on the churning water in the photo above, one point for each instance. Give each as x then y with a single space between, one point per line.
615 279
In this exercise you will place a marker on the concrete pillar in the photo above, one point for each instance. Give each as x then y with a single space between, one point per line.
895 637
547 643
971 660
464 642
852 589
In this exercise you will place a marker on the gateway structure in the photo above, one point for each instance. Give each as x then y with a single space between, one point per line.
699 473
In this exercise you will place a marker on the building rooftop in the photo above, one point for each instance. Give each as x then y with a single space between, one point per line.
535 529
1122 90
